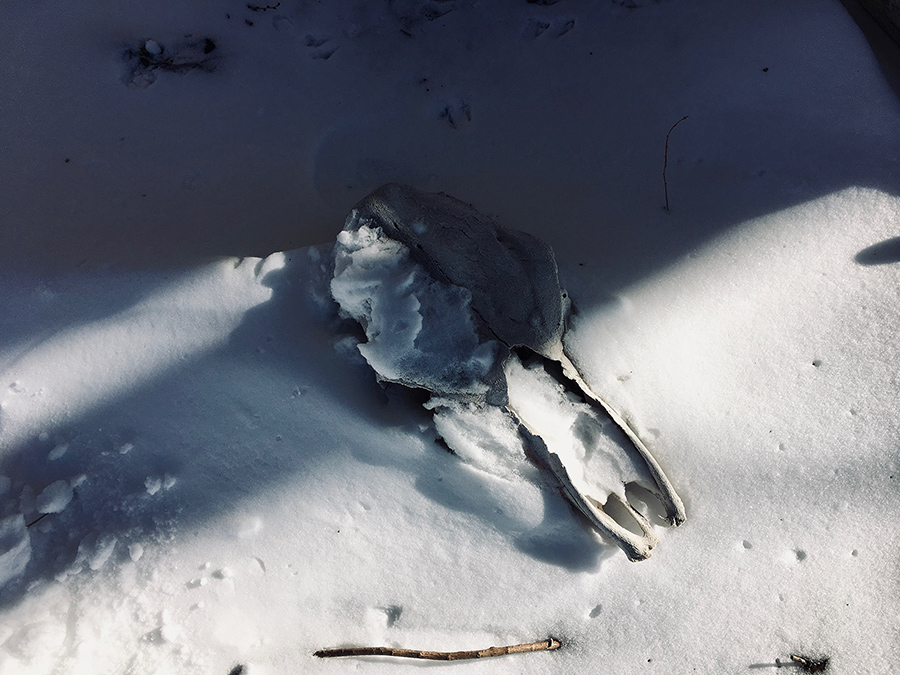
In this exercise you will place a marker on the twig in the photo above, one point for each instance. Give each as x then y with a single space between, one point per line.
666 159
38 519
543 645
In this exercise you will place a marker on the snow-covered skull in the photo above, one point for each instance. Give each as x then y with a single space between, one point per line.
455 304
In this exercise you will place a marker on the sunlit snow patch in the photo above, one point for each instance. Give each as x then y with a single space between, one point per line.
472 312
15 548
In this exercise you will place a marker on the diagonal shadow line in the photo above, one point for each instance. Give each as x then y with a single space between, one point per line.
52 307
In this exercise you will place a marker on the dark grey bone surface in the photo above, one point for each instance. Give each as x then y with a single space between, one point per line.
512 276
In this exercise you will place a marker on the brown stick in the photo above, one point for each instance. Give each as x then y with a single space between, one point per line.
38 519
666 159
541 646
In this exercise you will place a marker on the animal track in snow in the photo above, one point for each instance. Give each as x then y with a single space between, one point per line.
321 49
146 59
535 27
384 616
456 113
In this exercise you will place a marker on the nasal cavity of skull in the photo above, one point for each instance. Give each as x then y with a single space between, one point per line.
617 511
554 369
646 502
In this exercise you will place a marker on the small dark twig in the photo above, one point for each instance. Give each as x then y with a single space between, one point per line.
262 8
666 160
541 646
38 519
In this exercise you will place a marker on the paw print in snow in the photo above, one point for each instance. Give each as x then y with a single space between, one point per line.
563 26
535 27
456 113
148 58
321 49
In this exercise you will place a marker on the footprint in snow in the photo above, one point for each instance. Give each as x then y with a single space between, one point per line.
383 617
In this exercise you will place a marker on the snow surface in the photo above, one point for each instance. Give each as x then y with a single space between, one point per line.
244 492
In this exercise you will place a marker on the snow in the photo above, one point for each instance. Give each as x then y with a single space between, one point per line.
55 497
592 448
222 479
15 548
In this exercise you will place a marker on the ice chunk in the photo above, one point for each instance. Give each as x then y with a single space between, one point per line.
55 497
152 484
15 548
58 452
135 551
101 552
93 551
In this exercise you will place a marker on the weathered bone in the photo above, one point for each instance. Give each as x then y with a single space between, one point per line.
516 300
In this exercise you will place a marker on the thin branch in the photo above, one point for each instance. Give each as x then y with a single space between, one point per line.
543 645
38 519
666 159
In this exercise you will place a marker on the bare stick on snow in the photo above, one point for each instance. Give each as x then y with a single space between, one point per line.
541 646
666 159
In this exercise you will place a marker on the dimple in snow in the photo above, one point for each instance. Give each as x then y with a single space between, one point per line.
472 312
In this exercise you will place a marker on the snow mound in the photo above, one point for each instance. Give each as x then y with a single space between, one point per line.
512 276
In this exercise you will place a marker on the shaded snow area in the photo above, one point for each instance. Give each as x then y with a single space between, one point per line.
209 462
